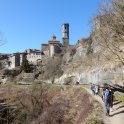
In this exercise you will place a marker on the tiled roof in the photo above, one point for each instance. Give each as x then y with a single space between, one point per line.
53 40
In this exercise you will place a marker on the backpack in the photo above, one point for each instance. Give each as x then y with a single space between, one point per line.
107 95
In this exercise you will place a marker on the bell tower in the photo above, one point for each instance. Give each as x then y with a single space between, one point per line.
65 34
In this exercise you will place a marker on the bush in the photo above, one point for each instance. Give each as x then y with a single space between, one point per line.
68 81
30 104
12 73
53 68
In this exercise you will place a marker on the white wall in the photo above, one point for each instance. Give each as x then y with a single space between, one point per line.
51 50
33 57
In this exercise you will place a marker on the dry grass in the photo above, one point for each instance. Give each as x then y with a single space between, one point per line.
119 97
48 104
96 116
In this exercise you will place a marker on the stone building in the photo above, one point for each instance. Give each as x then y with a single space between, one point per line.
34 56
54 46
15 60
65 34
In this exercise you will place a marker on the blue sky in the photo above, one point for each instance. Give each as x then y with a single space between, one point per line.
29 23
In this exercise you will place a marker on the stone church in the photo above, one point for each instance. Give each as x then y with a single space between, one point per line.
54 46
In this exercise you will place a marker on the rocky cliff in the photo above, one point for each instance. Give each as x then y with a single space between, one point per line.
90 68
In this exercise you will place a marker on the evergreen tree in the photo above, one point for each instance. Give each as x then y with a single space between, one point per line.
25 66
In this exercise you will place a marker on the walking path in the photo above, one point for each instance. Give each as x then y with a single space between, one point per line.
117 115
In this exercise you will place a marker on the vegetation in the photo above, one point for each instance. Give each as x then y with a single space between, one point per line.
119 97
72 51
109 30
45 104
52 68
95 121
11 73
25 66
68 81
48 104
95 117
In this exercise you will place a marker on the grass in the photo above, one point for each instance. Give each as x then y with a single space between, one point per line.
94 121
30 101
96 116
86 86
119 97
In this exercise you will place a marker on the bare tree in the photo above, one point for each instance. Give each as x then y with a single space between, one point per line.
109 29
53 68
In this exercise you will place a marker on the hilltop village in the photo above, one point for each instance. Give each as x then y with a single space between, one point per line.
93 59
34 56
63 83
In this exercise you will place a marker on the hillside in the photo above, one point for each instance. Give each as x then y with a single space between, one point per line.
45 90
48 105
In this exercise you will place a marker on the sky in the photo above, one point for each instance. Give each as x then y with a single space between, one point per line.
27 24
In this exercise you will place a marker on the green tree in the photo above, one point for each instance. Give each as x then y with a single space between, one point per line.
25 66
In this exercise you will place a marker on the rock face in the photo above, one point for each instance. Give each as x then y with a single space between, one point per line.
98 75
106 72
80 52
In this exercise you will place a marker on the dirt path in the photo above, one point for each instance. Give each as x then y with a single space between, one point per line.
117 115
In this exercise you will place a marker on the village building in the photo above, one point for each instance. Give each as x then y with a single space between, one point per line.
52 47
15 60
34 56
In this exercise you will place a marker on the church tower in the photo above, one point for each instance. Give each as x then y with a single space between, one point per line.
65 34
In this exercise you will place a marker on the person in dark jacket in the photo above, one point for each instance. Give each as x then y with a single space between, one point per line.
111 97
106 100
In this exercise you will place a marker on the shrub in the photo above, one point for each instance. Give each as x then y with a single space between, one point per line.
30 104
68 81
12 73
53 68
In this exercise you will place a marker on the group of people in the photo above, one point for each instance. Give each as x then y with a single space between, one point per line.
107 96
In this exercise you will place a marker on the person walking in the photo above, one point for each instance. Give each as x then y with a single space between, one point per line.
96 88
93 89
111 98
107 99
